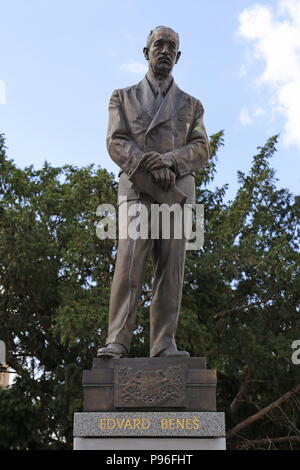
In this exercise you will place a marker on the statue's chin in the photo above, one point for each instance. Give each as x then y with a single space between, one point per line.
162 69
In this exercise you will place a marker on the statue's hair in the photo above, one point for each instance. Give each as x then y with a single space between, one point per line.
149 38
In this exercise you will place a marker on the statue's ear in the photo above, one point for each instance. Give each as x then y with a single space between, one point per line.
146 53
178 57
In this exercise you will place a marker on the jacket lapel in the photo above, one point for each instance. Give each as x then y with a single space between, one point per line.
169 107
145 97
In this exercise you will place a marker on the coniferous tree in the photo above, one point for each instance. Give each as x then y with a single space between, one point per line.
240 303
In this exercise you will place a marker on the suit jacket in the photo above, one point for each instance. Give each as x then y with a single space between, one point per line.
177 130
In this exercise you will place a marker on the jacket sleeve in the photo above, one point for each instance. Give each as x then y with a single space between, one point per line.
196 152
120 145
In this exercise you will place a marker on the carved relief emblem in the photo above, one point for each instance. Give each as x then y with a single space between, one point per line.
150 387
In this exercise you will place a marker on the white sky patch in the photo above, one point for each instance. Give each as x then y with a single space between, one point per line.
258 112
2 92
242 71
248 116
274 38
245 117
136 68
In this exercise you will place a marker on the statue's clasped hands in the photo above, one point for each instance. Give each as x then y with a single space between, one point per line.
160 168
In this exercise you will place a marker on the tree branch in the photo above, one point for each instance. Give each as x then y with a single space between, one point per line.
262 412
239 308
267 440
243 388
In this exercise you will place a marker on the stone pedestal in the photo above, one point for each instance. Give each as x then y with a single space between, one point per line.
149 403
149 430
154 384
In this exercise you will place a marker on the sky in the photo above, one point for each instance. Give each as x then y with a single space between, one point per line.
60 60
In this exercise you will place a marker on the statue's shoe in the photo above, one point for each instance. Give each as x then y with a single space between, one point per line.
113 350
173 352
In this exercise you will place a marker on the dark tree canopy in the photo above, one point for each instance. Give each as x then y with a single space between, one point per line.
240 303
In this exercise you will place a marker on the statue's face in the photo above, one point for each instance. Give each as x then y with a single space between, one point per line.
163 52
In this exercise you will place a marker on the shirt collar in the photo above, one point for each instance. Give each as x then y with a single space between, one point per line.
155 83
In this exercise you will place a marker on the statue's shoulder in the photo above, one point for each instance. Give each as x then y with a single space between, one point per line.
127 90
195 102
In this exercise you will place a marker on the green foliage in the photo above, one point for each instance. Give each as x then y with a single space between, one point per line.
241 299
240 303
55 278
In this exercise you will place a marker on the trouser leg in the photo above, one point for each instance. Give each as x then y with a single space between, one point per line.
169 258
126 288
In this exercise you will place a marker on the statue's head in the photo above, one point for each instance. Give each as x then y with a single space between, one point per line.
162 50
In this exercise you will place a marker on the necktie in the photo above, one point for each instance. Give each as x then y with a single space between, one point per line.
158 100
160 95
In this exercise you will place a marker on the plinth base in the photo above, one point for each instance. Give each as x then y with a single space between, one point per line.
149 404
149 431
154 384
149 443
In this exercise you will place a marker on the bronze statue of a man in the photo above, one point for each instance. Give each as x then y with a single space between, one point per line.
159 129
